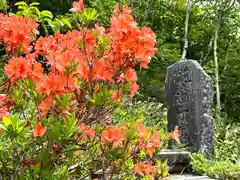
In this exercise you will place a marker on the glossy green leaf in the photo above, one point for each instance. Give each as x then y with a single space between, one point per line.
21 3
55 26
46 19
66 22
46 13
3 4
35 10
34 4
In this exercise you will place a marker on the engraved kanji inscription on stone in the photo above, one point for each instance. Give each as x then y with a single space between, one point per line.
189 97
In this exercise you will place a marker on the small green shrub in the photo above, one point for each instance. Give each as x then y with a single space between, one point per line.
152 113
227 143
215 169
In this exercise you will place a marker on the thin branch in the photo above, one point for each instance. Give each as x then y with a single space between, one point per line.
103 163
90 66
210 44
226 56
184 53
148 9
218 107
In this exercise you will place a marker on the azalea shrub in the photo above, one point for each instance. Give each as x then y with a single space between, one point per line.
151 112
60 93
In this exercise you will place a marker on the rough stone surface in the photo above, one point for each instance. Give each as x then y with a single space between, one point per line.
174 156
178 159
188 177
189 96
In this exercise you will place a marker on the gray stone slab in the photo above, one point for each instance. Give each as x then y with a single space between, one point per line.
189 97
178 159
174 155
188 177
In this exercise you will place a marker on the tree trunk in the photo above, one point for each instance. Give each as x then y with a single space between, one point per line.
218 107
209 48
226 56
131 3
184 53
148 9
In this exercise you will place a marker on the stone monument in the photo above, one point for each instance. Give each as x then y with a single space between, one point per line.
189 97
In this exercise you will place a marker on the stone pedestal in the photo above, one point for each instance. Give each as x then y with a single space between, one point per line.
178 160
187 177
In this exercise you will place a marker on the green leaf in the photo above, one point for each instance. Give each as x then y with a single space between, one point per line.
66 22
47 20
46 13
20 13
59 22
34 4
21 3
89 15
15 122
55 26
55 132
69 124
67 97
58 98
9 165
35 9
164 172
6 121
3 4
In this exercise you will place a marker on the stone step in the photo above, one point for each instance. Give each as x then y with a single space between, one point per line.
178 159
187 177
179 156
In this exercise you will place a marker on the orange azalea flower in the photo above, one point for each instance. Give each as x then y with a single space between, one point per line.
78 6
175 134
149 169
99 29
115 135
4 112
16 33
153 142
46 105
39 130
17 68
87 133
90 132
155 139
116 95
149 148
37 69
134 88
82 71
81 127
145 168
142 130
138 169
131 75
